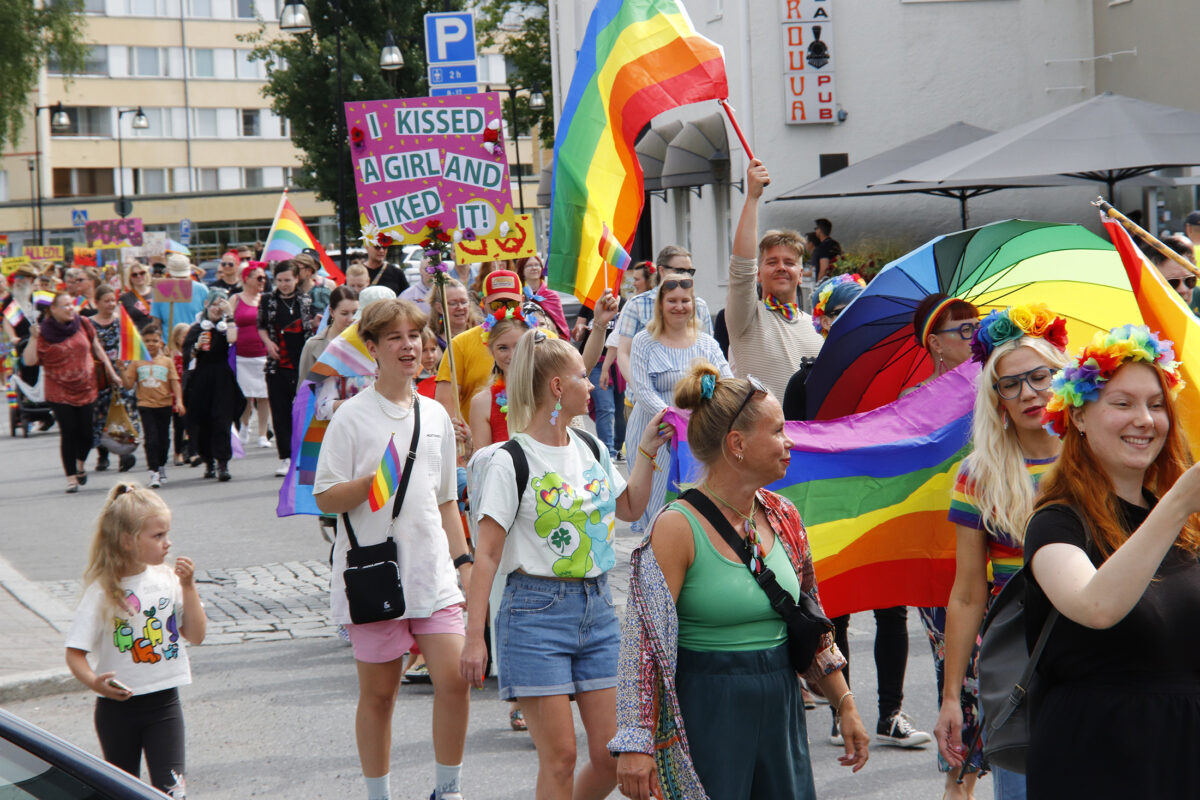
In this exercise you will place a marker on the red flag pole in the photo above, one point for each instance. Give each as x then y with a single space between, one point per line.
737 128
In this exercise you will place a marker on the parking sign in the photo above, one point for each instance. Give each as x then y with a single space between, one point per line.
450 38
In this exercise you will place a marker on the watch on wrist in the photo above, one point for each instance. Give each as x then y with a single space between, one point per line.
465 558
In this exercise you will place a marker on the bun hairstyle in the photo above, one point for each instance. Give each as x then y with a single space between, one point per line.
125 512
539 359
713 401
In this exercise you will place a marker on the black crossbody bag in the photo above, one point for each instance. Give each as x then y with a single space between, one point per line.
805 621
372 576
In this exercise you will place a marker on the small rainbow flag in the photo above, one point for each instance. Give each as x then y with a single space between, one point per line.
43 298
387 477
132 347
611 251
13 313
289 236
345 357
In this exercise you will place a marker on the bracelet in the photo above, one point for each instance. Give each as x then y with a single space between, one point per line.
465 558
837 709
650 458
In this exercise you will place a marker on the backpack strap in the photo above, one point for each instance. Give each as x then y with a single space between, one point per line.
521 462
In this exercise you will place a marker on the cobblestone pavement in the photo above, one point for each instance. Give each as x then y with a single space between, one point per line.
288 600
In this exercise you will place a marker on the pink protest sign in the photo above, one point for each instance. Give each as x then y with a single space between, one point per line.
422 159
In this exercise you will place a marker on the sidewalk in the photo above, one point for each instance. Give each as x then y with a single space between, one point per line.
33 627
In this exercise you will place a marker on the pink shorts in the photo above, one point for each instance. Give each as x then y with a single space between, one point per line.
381 642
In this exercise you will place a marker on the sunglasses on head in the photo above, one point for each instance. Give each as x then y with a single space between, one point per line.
1189 282
755 388
683 283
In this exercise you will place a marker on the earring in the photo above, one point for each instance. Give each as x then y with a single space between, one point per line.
1004 418
554 413
739 457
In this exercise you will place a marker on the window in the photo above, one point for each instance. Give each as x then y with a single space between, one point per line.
252 177
160 123
87 121
832 162
3 186
290 174
206 179
203 63
152 181
251 125
95 62
245 68
89 6
285 128
244 9
204 123
82 182
201 8
148 62
144 8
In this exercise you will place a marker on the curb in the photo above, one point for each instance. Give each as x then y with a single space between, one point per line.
32 685
36 683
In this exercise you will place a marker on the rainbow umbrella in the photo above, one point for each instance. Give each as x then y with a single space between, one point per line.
871 354
176 247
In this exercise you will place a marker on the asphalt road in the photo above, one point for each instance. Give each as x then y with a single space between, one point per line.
271 715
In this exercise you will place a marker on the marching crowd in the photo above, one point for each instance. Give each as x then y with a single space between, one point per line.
497 514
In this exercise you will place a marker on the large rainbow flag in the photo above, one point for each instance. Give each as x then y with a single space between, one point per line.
1164 311
296 492
874 490
638 59
289 236
131 348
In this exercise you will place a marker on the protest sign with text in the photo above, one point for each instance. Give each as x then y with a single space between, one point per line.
114 232
39 252
9 265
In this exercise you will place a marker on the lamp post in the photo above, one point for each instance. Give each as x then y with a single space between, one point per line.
60 120
537 102
123 206
32 163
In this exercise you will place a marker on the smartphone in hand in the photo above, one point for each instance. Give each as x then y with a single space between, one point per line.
116 684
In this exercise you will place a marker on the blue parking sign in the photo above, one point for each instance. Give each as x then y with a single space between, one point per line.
450 38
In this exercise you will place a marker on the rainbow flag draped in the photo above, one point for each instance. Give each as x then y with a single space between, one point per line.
296 491
289 235
611 251
1164 311
874 492
132 347
346 357
387 477
638 59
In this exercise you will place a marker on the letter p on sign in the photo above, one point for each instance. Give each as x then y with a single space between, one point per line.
447 32
450 37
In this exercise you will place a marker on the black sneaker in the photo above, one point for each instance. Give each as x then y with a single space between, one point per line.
898 731
223 472
126 463
209 470
101 464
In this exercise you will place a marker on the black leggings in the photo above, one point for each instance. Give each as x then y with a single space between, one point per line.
179 432
150 723
891 655
281 391
75 434
156 427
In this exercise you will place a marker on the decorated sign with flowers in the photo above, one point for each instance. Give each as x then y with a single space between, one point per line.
424 166
520 243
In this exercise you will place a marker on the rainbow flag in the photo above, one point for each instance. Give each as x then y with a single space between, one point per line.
346 357
289 235
13 313
1164 311
308 432
132 347
874 492
611 251
638 59
387 477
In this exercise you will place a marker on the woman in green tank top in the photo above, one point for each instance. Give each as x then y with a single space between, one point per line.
704 658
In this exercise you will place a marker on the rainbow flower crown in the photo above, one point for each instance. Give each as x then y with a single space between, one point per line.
1031 319
1095 365
827 292
507 312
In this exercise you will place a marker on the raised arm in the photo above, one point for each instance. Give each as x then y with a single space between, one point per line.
745 239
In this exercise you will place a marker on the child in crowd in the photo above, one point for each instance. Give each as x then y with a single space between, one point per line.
133 613
431 356
183 447
158 392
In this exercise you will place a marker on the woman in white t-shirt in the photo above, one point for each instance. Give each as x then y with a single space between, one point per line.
552 535
429 540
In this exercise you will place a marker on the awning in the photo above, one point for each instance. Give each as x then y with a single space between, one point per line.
652 152
698 154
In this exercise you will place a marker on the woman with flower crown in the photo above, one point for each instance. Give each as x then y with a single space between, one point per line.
1113 549
1020 349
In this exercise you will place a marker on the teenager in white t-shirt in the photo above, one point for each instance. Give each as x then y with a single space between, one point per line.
429 539
557 631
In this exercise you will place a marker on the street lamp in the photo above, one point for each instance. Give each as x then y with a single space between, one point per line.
123 206
60 120
390 57
294 19
32 163
537 101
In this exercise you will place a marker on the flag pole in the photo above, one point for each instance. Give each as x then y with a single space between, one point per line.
441 284
1145 235
738 130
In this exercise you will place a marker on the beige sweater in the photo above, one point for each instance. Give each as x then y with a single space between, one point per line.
761 342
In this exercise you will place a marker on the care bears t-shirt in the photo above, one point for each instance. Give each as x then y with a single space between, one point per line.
564 526
141 643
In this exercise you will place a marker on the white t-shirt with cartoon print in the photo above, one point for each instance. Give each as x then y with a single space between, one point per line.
141 643
565 525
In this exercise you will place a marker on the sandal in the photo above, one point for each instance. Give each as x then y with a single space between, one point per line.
81 476
516 720
418 674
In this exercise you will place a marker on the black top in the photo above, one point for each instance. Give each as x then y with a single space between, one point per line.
827 249
138 309
1153 638
229 288
388 275
795 397
721 333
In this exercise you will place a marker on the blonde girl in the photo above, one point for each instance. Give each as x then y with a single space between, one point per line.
132 620
489 407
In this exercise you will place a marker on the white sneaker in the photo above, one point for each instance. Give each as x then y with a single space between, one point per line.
162 475
264 442
898 731
244 434
154 482
282 469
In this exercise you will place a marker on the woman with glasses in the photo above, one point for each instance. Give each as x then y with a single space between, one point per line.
138 295
1179 277
251 352
994 494
448 323
661 355
227 274
708 703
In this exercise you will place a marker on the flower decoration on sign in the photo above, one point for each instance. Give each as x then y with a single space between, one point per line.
357 137
384 240
491 138
1080 381
370 233
1031 319
438 245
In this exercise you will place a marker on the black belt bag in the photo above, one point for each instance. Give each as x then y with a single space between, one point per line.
372 576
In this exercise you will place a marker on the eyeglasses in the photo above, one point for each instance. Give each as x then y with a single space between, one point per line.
496 305
834 312
1009 386
1189 282
964 331
258 277
755 388
458 303
141 273
228 264
684 270
685 283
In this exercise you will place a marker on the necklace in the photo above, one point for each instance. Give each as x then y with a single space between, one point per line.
752 542
500 395
412 399
290 306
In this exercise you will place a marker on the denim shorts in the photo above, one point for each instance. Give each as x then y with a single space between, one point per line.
556 637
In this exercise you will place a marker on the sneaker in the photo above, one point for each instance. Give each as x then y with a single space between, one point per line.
209 470
282 469
244 434
898 731
835 733
264 442
223 472
446 795
153 481
126 463
162 475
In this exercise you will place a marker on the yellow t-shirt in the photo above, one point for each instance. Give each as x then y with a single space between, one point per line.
472 366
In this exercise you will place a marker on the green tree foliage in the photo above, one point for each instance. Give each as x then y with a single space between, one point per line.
302 81
30 34
522 29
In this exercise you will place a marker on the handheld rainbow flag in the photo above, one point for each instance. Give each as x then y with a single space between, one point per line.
132 347
289 236
638 59
13 313
612 252
346 357
43 297
874 492
308 432
387 477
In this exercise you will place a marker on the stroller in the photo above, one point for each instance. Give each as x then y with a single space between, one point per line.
26 399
